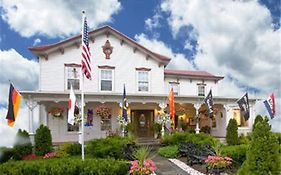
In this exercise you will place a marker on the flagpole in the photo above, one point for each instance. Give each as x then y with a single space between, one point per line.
82 98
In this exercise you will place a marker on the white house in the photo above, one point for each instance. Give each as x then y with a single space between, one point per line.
119 60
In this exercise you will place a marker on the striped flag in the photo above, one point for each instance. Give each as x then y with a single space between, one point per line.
125 105
14 104
270 105
86 60
172 104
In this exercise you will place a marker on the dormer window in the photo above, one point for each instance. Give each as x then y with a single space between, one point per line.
201 89
72 76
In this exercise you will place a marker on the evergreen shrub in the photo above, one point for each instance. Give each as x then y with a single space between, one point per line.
43 141
168 151
22 145
232 133
236 152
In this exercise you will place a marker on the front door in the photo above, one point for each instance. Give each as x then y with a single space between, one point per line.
143 121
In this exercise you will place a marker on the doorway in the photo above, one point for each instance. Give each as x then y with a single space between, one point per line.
142 121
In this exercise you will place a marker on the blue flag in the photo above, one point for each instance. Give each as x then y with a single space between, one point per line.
124 105
243 104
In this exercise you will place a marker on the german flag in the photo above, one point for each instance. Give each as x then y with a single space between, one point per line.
14 104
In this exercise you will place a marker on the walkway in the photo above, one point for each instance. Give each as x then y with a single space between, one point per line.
165 167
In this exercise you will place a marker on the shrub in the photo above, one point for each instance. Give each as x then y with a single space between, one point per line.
236 152
263 154
67 166
22 146
206 129
5 154
168 151
108 147
43 140
177 138
30 157
69 149
257 119
232 132
244 139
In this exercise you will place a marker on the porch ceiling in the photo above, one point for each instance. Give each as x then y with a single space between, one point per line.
59 96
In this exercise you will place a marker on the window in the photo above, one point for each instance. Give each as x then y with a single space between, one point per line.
236 114
143 82
176 87
72 77
106 80
201 89
105 124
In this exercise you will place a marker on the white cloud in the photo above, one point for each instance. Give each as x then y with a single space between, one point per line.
36 41
23 73
152 23
179 61
55 18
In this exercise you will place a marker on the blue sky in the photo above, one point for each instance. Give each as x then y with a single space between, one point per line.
236 39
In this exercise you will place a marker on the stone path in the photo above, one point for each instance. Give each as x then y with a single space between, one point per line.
165 167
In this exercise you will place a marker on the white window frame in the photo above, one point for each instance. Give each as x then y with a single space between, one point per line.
148 81
199 90
112 80
66 78
173 85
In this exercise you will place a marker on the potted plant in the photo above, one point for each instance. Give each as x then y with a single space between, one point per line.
217 164
56 111
103 111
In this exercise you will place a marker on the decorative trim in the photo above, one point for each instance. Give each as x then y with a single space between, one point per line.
72 65
147 57
107 49
61 49
135 49
106 67
45 56
122 42
77 44
203 84
142 69
107 33
92 38
174 82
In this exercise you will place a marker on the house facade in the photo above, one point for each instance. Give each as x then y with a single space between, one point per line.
117 61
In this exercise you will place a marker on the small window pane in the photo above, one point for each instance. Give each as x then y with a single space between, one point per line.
106 85
143 81
73 77
201 90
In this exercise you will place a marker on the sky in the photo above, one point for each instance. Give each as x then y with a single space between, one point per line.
237 39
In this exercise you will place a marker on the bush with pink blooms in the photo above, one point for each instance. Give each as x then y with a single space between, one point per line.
50 155
218 162
29 157
137 168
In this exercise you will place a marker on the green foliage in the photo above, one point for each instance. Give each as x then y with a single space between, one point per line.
257 119
69 166
236 152
263 154
232 132
206 129
168 151
22 146
5 154
142 154
108 147
43 141
244 139
69 149
177 138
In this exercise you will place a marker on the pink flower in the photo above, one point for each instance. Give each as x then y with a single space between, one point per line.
49 155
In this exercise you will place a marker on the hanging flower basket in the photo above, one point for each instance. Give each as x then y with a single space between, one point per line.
103 111
56 111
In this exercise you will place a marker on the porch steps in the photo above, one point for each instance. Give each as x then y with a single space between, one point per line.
152 143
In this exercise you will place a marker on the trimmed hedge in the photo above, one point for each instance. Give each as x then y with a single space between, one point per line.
69 166
168 151
236 152
107 147
232 133
177 138
43 141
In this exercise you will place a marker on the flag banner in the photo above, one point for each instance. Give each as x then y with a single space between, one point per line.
270 105
243 104
124 105
172 104
14 104
209 103
71 106
86 60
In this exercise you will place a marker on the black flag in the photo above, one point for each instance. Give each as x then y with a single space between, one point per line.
209 103
243 104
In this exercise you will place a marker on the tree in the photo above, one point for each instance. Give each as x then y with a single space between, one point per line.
43 140
257 119
232 133
22 146
263 154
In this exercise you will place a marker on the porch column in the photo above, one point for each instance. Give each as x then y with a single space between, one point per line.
197 107
227 113
31 104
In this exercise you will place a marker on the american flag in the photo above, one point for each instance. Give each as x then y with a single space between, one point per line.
86 60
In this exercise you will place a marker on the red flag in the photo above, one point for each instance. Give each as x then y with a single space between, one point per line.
14 104
172 104
86 60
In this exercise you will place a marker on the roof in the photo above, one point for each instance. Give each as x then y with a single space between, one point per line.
45 49
192 74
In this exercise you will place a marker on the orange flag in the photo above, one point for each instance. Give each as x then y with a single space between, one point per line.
172 104
14 104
